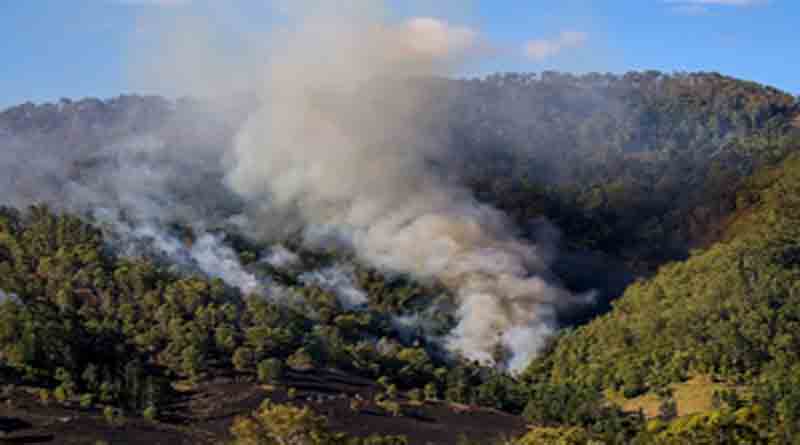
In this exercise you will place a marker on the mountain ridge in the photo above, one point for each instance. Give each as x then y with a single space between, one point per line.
635 178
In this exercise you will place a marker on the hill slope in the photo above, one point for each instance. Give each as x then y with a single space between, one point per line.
729 313
139 290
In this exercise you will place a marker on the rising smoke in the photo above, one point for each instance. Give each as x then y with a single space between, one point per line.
340 280
349 143
348 138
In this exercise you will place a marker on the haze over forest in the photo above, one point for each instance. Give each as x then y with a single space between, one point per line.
324 232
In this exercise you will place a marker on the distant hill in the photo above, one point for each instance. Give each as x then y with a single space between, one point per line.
132 298
639 165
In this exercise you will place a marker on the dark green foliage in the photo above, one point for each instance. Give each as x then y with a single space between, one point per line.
270 370
668 409
641 165
502 392
778 393
558 405
550 404
746 426
86 321
730 311
728 398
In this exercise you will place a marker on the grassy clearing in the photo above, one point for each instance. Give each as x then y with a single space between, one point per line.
693 396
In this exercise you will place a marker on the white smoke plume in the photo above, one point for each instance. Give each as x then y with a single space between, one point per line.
340 280
349 141
280 257
206 254
346 141
220 261
135 165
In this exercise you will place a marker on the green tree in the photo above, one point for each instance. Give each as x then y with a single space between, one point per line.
275 424
243 358
270 370
431 392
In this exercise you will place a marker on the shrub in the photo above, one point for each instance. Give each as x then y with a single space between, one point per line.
110 414
551 404
668 409
390 406
391 391
275 424
431 392
301 360
556 436
150 413
60 394
87 400
44 396
280 424
243 358
270 370
415 395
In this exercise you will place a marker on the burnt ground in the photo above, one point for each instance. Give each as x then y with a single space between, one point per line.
204 415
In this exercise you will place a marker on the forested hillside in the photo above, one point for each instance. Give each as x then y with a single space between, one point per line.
131 288
728 314
643 165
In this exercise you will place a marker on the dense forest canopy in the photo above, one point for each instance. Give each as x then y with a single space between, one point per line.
127 263
608 158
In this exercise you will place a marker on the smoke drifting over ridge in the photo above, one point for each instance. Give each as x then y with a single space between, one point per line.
346 141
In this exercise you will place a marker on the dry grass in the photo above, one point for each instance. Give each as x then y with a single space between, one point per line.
183 386
693 396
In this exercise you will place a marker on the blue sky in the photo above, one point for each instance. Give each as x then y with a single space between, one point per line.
77 48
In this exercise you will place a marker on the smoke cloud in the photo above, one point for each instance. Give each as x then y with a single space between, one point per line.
340 280
347 138
220 261
281 258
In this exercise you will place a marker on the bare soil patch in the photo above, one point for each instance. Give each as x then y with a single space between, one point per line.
204 414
